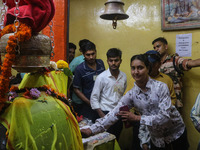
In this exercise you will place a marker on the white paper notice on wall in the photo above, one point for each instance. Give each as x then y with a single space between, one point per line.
184 44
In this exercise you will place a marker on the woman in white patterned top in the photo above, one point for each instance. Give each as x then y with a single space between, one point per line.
195 116
152 99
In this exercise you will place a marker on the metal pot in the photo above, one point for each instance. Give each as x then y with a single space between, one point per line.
33 54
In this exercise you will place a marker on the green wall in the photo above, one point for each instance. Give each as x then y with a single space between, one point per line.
134 36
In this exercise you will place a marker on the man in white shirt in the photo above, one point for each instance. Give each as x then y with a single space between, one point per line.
108 89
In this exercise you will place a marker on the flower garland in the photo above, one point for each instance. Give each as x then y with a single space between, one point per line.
34 93
23 33
62 64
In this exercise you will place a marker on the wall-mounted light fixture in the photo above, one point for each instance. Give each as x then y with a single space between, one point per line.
114 11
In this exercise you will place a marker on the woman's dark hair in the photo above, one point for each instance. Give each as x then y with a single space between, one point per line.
143 58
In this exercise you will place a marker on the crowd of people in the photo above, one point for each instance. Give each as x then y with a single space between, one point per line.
156 95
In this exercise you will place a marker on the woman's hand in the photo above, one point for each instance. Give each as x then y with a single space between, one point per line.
86 132
129 116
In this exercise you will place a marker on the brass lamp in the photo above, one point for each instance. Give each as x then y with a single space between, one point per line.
114 11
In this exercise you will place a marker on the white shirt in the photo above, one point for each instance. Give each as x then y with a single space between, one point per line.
108 90
163 120
195 113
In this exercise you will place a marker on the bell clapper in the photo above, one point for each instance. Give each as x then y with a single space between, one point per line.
114 24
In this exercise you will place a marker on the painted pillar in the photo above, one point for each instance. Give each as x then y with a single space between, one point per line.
60 29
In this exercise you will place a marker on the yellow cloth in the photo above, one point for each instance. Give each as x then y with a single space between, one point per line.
163 78
45 123
55 79
112 145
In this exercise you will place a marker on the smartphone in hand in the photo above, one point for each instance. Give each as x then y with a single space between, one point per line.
125 108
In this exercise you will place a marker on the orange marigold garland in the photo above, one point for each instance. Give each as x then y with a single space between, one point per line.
24 33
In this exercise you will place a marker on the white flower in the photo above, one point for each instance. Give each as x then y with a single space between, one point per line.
53 65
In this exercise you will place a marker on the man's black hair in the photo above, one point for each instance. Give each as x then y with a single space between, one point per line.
114 52
82 43
161 39
89 46
72 45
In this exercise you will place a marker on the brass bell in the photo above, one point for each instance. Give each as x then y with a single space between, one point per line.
114 11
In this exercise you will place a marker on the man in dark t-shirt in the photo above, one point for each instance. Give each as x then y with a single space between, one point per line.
84 78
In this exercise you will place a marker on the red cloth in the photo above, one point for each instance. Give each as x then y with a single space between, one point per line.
35 13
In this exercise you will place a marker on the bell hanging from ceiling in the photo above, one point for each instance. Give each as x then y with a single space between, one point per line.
114 11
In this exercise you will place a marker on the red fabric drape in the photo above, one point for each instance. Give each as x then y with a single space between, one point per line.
35 13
